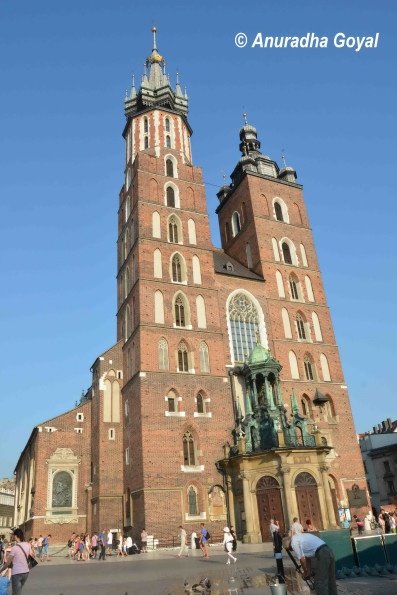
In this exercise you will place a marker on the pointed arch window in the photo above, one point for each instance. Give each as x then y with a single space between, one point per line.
244 325
300 325
167 125
146 142
204 358
170 193
169 168
306 406
286 253
163 354
295 288
145 125
183 358
173 230
192 501
172 402
236 223
309 368
168 141
176 269
189 450
278 211
180 311
200 403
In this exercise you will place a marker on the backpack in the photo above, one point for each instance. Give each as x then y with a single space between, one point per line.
208 536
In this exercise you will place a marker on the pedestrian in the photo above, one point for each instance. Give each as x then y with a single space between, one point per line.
94 545
309 527
102 548
274 526
233 534
183 549
119 545
17 560
228 545
204 537
109 541
316 559
193 543
39 547
359 524
144 537
296 527
125 553
45 557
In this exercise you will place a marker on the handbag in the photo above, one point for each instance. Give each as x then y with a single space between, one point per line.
31 561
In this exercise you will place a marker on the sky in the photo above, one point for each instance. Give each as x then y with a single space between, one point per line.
64 71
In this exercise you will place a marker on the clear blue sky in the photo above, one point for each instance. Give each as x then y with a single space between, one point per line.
64 70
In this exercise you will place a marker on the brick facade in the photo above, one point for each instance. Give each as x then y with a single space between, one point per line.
154 464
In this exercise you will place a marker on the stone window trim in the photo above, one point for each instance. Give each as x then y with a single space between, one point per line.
79 416
192 468
251 311
63 459
202 516
78 430
283 210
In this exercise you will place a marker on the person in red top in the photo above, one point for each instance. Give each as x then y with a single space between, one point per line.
18 558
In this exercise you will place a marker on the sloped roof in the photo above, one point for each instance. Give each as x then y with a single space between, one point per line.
226 265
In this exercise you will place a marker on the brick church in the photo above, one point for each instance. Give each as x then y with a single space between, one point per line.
223 399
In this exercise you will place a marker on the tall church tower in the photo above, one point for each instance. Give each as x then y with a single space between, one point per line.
264 226
175 392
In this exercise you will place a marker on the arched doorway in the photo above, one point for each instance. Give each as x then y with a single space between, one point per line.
307 499
268 495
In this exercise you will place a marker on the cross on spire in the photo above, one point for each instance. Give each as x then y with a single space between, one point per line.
245 118
283 157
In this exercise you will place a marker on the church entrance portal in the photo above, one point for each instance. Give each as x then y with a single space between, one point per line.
268 496
307 500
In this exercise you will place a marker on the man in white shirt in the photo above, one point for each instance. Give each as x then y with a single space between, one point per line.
274 526
110 542
296 527
316 558
184 549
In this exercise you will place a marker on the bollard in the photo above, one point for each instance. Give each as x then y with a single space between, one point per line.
278 547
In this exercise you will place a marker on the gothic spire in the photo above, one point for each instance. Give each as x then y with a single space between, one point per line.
156 89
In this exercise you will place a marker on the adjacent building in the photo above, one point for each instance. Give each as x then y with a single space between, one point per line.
7 498
223 399
379 453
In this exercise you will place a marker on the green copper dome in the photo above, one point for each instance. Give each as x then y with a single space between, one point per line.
258 355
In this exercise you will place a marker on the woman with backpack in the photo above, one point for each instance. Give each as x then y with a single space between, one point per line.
17 560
